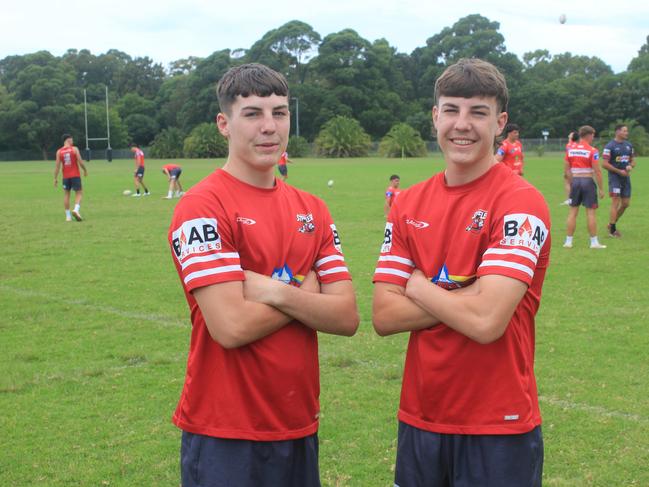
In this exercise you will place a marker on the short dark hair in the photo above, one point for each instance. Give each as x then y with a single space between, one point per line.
473 77
586 130
65 137
573 136
249 79
394 176
510 127
620 126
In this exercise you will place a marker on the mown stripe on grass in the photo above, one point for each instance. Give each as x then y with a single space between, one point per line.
594 410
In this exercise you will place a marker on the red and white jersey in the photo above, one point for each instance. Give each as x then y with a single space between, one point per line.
267 390
582 158
139 157
391 194
283 158
68 157
498 224
512 154
170 167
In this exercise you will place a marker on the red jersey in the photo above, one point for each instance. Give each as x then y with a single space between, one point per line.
283 158
68 157
498 224
582 158
267 390
139 157
170 167
512 153
391 194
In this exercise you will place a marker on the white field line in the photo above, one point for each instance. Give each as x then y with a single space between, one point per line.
153 318
594 410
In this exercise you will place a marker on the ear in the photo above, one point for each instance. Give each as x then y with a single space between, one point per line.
222 124
501 121
435 115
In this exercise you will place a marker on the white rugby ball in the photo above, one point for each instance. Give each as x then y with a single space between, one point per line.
330 183
127 192
562 19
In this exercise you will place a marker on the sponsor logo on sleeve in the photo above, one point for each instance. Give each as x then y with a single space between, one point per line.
387 238
337 245
524 230
196 236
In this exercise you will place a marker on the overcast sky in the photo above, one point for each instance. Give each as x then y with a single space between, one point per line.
166 30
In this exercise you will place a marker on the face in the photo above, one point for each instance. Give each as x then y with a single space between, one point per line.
395 182
513 135
257 130
623 133
467 127
68 141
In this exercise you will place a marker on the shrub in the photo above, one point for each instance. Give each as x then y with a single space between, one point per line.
342 137
402 141
168 144
205 141
298 147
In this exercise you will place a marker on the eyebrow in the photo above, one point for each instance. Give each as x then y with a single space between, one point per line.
472 107
259 109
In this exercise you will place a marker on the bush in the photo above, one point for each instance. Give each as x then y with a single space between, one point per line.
168 144
205 141
298 147
402 141
342 137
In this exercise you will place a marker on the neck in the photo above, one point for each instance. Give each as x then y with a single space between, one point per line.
619 139
259 178
459 174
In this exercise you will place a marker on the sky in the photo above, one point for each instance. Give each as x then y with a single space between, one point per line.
167 30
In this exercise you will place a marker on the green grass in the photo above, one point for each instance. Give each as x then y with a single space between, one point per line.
94 333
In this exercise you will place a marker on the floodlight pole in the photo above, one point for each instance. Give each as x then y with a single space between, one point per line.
297 115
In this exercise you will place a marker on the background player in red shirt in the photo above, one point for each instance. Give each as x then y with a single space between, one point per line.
173 172
461 268
69 158
582 169
282 167
510 151
138 176
573 138
391 193
262 269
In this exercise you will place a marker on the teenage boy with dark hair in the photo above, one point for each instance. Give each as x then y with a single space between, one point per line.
461 268
262 269
510 151
391 193
618 158
68 158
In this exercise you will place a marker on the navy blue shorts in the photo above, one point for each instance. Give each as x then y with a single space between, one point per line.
206 461
175 173
283 170
139 173
426 459
72 184
619 186
583 191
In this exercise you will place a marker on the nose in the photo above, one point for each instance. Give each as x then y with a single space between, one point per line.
462 121
268 124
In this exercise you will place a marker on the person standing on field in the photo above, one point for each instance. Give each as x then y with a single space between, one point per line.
69 158
510 151
282 165
262 269
138 176
619 161
582 170
391 193
573 138
461 269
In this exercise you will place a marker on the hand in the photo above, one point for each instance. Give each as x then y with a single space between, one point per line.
628 169
417 280
601 194
310 283
259 288
85 173
55 182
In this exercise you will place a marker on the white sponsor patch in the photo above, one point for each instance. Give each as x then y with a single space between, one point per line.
524 230
387 238
195 236
337 244
511 417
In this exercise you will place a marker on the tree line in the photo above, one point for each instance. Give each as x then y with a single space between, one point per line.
340 76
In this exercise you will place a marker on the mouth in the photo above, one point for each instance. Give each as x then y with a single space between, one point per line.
462 141
268 146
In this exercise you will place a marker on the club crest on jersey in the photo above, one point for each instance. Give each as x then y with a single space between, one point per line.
195 237
477 221
307 223
524 230
285 275
387 238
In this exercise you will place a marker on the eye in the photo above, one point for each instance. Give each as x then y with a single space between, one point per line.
280 113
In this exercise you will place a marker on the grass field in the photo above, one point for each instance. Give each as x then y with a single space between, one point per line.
94 333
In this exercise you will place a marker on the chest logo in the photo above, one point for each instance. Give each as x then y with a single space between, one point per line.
307 223
245 221
477 221
417 224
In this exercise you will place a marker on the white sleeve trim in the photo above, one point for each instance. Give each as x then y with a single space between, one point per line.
395 258
511 265
334 270
394 272
521 253
330 258
209 272
208 258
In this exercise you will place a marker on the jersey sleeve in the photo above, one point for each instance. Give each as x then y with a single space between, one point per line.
519 240
606 153
395 265
330 262
501 150
202 245
594 158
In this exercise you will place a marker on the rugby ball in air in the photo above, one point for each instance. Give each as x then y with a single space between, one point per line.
562 19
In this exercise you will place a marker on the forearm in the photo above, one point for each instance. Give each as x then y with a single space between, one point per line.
395 313
329 313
